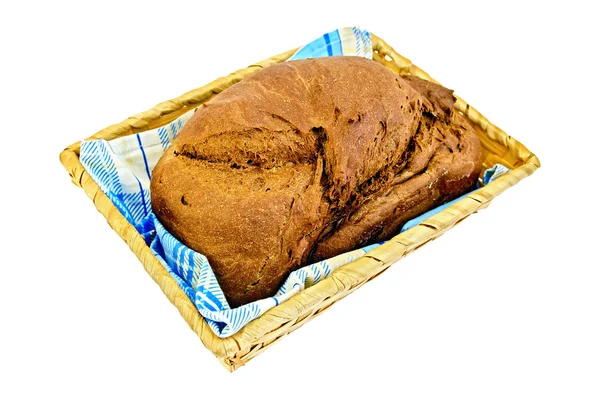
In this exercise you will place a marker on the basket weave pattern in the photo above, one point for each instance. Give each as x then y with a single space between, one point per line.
259 334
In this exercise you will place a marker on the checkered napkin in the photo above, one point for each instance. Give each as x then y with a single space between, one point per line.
122 168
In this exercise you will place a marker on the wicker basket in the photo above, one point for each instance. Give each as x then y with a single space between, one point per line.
259 334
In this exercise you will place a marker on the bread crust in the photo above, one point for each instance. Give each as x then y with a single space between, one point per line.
305 160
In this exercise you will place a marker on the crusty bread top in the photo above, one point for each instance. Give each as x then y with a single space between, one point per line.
280 161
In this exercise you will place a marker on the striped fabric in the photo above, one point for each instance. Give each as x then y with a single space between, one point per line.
122 168
344 41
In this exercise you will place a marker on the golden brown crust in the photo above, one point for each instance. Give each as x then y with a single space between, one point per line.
305 160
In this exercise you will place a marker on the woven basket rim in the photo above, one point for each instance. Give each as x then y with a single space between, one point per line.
259 334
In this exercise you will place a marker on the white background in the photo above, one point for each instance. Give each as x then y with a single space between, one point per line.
507 303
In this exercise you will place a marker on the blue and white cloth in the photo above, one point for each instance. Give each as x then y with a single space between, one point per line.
122 168
345 41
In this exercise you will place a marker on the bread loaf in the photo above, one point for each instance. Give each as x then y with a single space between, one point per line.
306 160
